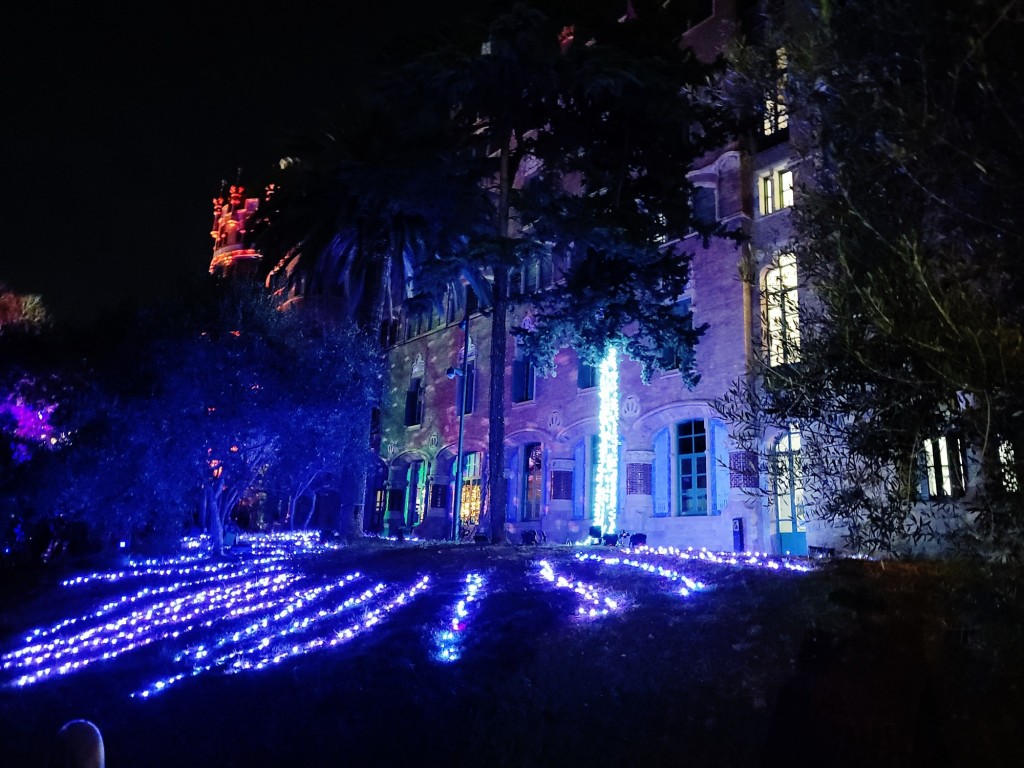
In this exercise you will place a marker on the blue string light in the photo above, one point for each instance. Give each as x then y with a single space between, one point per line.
256 611
448 639
606 474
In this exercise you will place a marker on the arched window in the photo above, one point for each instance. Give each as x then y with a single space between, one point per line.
787 490
782 321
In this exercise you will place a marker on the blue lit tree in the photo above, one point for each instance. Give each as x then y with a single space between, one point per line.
266 398
186 409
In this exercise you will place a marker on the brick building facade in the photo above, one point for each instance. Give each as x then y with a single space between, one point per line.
680 480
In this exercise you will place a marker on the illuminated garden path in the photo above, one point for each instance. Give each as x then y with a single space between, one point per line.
268 604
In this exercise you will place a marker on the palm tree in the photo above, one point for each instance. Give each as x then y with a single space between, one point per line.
354 220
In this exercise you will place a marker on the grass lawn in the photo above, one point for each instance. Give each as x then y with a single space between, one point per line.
851 662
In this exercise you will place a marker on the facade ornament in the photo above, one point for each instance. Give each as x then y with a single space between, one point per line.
631 407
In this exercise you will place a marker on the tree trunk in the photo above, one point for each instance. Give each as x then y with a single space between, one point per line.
499 344
356 520
354 527
216 522
312 511
496 412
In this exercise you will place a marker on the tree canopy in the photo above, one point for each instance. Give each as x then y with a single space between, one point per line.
907 230
532 131
181 411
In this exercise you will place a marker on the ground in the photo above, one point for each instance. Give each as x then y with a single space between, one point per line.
559 656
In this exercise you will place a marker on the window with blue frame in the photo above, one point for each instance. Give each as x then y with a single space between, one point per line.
523 380
532 481
586 376
787 493
692 460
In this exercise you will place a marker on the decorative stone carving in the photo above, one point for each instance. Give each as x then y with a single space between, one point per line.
631 407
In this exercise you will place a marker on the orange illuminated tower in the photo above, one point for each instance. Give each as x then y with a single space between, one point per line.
231 255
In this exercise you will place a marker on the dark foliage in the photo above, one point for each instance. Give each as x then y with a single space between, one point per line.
907 231
175 414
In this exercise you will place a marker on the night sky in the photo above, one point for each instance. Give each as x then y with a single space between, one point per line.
118 130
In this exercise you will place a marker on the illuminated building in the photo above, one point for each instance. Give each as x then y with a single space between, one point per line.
676 475
232 258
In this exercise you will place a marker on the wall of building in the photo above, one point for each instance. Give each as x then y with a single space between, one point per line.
562 417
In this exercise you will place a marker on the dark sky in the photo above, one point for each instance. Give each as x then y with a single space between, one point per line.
118 129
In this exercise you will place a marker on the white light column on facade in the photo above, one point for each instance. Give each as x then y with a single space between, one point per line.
606 480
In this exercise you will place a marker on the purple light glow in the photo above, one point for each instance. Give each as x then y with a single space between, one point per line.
31 425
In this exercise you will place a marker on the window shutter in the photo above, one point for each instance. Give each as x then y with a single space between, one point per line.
704 206
531 277
411 400
956 465
562 484
515 283
662 473
579 479
922 474
512 489
719 469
